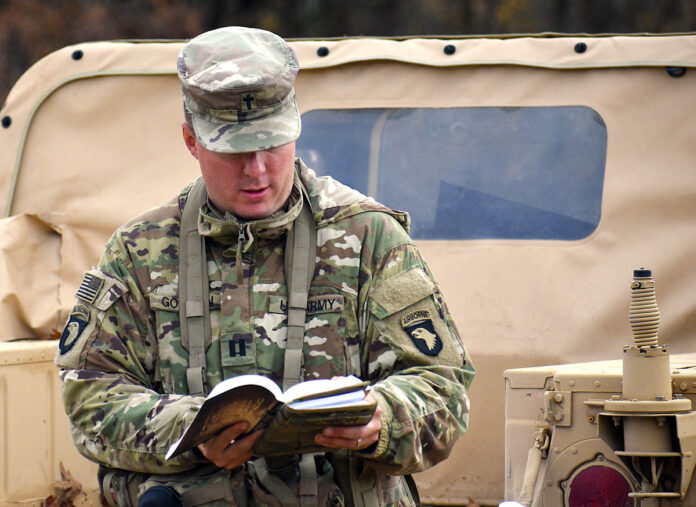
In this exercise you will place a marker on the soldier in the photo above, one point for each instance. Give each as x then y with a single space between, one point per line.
258 267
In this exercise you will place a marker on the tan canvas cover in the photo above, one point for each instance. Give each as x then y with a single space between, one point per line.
95 135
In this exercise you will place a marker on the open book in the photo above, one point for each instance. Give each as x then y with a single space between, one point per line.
290 418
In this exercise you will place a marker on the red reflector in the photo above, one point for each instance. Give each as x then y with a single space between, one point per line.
599 486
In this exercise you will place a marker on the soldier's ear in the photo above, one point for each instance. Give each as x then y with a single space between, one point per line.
190 140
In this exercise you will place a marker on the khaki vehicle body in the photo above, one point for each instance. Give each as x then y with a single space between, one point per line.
539 171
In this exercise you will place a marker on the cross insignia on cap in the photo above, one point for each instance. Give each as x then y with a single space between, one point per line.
248 98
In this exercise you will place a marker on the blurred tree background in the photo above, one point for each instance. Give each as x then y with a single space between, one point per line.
30 29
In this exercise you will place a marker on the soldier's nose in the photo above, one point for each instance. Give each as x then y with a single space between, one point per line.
254 164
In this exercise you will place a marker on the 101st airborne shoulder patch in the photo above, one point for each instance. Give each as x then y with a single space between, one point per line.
79 317
420 328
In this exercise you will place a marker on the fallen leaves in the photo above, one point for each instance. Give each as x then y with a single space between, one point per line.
64 491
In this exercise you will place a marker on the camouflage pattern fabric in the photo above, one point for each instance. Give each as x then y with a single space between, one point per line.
238 84
374 311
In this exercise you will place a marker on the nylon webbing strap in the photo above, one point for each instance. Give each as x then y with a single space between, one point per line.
193 290
309 485
276 486
300 258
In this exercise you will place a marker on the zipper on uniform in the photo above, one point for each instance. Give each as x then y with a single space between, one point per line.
241 239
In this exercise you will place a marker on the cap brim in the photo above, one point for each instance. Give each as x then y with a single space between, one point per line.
278 129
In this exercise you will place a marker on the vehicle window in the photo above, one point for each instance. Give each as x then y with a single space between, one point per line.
469 173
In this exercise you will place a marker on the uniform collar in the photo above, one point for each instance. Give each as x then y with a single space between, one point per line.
226 228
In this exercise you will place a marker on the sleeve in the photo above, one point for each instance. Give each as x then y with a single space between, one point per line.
108 360
419 369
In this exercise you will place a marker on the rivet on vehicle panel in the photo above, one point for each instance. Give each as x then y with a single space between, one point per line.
449 49
6 121
323 51
558 397
676 71
571 383
580 47
573 450
597 383
557 416
683 386
77 54
590 419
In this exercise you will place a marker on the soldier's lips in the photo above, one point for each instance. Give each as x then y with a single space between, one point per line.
255 193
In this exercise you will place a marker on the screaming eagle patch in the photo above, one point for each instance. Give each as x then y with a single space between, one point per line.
73 329
420 328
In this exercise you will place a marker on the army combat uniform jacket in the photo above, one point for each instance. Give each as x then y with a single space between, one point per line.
374 311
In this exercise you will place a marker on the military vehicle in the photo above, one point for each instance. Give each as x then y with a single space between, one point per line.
540 171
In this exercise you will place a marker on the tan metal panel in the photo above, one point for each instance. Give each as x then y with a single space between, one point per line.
34 434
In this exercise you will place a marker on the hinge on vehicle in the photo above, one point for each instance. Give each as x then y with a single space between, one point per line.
557 407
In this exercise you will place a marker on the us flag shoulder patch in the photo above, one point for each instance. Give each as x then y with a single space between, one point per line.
89 288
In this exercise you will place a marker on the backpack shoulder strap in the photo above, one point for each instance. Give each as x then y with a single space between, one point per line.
194 314
300 260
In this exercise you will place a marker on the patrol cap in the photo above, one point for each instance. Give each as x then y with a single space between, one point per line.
237 83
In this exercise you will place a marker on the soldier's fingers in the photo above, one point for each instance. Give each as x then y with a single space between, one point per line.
352 437
230 434
355 444
246 443
213 447
238 452
222 449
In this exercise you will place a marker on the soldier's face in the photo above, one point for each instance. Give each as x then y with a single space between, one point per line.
249 185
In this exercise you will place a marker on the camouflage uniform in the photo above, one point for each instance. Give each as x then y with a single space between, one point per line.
373 311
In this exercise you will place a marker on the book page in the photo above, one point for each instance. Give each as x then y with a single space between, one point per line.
349 399
314 387
241 380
